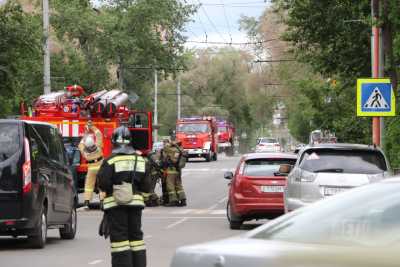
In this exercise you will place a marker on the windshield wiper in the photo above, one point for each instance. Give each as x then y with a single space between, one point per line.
330 170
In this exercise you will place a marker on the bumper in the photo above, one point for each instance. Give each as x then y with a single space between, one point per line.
227 144
295 203
197 152
16 226
258 206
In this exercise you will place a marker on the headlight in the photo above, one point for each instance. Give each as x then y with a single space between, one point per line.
205 150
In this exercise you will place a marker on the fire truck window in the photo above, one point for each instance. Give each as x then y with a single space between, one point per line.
138 120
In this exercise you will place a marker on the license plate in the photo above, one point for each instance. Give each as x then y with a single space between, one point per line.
330 191
272 188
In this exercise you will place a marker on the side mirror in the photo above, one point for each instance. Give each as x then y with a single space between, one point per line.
228 175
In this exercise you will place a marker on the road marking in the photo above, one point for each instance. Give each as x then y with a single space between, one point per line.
213 207
223 200
95 262
176 223
218 212
185 211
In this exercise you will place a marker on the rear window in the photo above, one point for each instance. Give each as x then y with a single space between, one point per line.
9 140
346 161
222 129
268 140
264 167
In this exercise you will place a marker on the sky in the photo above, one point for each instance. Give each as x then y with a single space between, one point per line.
218 20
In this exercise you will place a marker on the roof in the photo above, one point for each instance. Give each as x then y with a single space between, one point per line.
269 156
341 146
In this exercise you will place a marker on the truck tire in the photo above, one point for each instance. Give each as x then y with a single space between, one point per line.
38 240
69 230
208 157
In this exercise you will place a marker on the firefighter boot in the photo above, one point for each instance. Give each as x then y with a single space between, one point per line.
182 203
172 204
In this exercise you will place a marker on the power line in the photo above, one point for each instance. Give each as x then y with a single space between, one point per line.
226 19
232 43
274 60
211 22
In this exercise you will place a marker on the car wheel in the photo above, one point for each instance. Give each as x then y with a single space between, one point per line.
38 240
69 230
234 220
208 157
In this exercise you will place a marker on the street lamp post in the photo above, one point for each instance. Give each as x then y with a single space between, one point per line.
46 48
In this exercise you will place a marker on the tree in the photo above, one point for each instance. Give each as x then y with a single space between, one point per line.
20 57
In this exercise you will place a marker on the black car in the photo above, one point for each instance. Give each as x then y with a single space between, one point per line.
36 184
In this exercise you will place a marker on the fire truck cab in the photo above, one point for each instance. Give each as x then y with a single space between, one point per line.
226 133
107 110
198 136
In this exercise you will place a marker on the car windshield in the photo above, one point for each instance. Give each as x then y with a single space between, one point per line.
267 140
9 140
193 127
221 129
372 220
264 167
346 161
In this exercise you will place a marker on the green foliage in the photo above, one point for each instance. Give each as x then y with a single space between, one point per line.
20 55
218 82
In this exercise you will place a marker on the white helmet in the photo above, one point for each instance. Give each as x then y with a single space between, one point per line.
89 141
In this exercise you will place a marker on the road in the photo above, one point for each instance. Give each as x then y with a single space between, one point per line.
165 228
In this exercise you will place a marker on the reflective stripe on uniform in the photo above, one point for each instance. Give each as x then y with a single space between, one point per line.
120 246
127 163
137 245
88 190
93 168
137 200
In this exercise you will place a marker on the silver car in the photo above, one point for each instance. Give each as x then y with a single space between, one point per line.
327 169
360 227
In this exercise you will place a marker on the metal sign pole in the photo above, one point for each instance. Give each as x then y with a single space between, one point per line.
46 48
376 132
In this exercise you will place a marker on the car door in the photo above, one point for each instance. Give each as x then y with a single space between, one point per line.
64 189
67 178
55 202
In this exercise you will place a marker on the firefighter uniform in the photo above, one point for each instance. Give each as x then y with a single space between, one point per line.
170 157
94 157
125 220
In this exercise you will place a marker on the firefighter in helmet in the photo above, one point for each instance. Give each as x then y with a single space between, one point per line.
173 160
123 176
91 148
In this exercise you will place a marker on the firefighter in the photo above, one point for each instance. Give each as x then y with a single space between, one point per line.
91 148
122 177
171 157
152 199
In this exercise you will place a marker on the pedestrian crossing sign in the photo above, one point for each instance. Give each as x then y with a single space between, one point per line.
375 98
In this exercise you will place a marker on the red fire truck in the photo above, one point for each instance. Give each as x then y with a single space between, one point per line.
70 111
226 134
198 136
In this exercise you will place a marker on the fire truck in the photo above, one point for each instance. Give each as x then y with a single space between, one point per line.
226 134
198 136
107 109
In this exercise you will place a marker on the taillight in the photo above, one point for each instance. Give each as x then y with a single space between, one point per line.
26 169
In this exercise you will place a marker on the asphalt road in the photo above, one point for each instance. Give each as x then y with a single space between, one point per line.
165 228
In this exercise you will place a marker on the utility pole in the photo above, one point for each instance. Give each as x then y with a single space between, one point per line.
178 96
376 70
46 47
155 137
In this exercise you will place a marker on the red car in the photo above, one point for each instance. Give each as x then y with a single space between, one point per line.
256 188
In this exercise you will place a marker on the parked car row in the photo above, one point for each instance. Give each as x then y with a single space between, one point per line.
358 227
